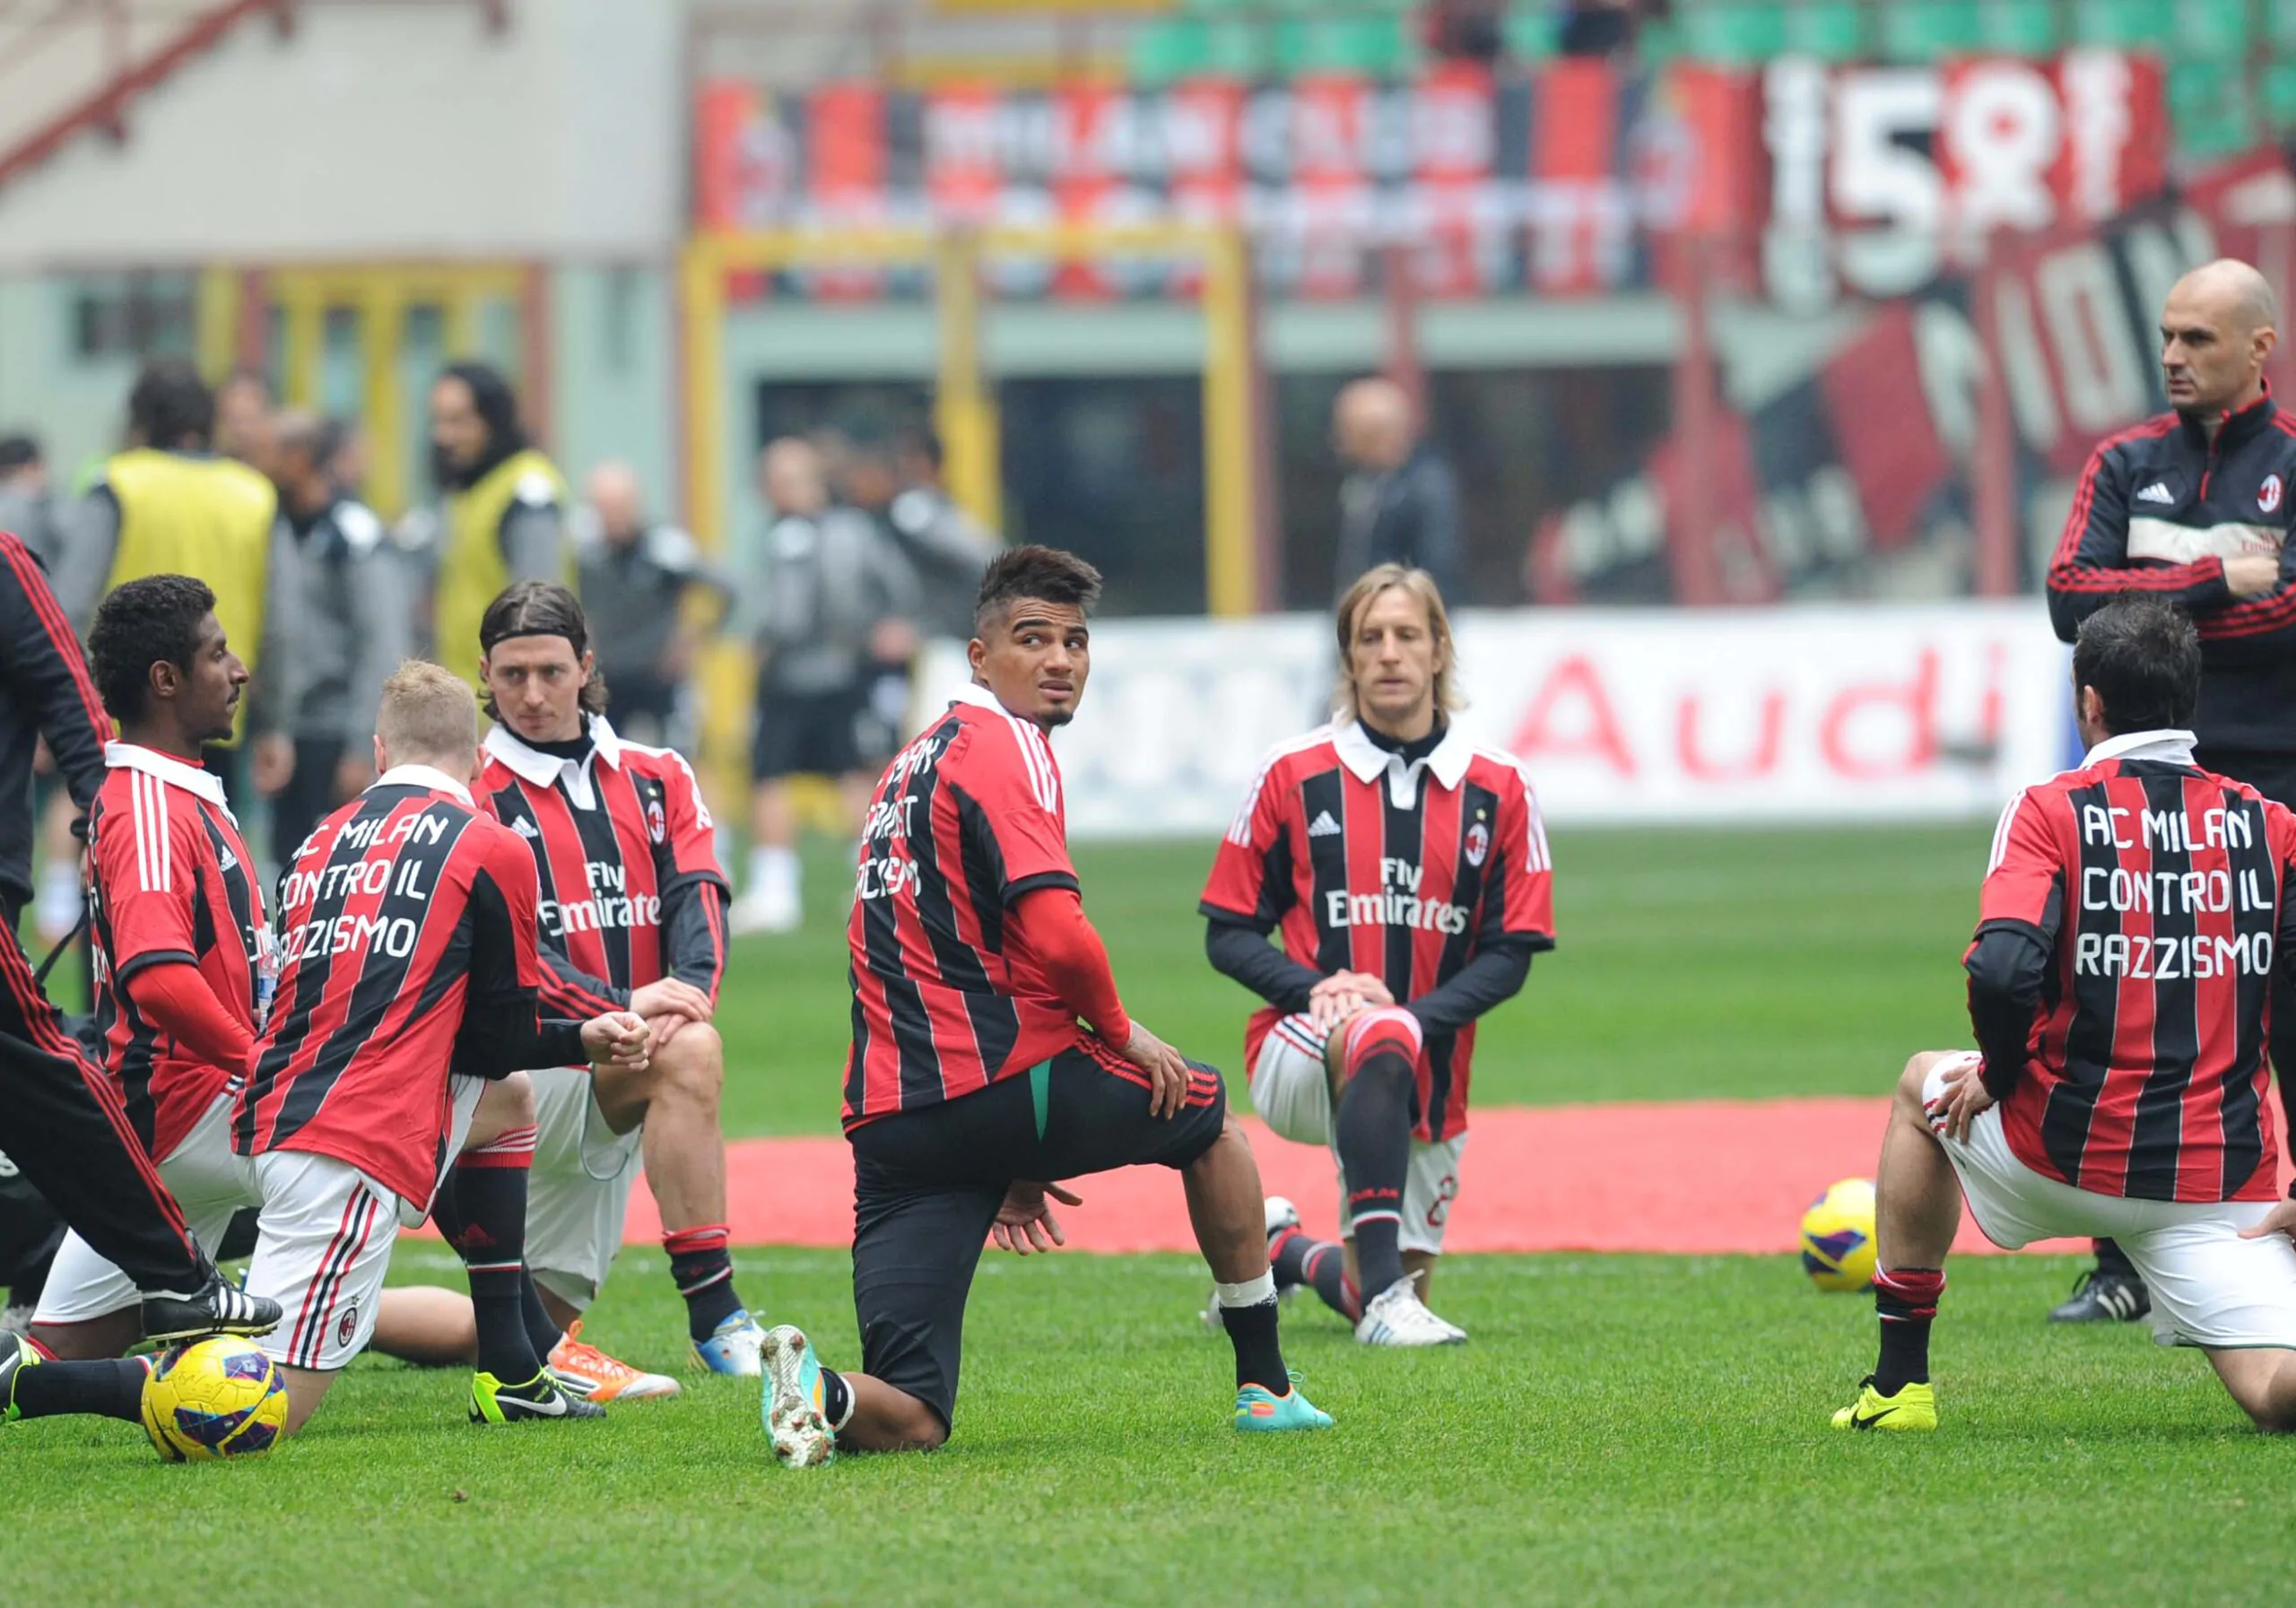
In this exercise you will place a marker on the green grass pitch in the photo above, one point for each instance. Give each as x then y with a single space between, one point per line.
1625 1429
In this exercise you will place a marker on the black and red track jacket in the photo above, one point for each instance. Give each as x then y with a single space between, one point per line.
2159 509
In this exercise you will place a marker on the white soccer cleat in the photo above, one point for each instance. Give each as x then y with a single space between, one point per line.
1397 1317
765 910
1282 1214
794 1423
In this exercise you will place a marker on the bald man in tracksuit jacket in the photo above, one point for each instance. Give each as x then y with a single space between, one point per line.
2195 505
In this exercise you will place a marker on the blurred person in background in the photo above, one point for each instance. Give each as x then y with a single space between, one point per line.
637 577
831 604
1604 27
246 425
946 547
351 619
1399 504
26 502
502 509
171 504
2195 506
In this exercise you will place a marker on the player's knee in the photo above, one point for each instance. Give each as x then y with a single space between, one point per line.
1915 1078
510 1100
691 1069
1385 1030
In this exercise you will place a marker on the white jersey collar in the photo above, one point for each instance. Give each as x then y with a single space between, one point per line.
2167 744
195 779
980 697
425 778
1368 760
541 768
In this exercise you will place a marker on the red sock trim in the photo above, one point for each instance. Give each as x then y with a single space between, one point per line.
709 1237
1907 1294
1389 1030
512 1147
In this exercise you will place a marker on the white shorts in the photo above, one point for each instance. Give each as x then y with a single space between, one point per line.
322 1247
209 1183
578 1196
2210 1286
1291 1092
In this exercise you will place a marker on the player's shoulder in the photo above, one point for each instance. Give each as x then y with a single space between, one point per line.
1500 771
1295 757
662 764
998 741
2139 440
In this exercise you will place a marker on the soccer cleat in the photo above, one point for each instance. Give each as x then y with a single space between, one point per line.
734 1347
2100 1297
585 1371
795 1422
1260 1412
1913 1408
1282 1217
1397 1317
220 1307
17 1353
492 1402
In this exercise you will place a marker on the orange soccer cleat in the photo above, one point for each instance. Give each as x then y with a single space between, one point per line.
586 1371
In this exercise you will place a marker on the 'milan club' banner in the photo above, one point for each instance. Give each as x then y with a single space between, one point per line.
1822 181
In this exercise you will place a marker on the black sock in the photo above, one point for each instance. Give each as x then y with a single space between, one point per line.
2113 1262
1371 1131
543 1332
1905 1298
836 1398
113 1388
1259 1357
703 1269
484 1218
1320 1265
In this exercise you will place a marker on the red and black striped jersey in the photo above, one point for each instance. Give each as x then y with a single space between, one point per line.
626 852
946 998
1361 861
2159 892
169 881
401 908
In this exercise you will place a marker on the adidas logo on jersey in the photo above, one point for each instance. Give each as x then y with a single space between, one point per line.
1323 826
2158 491
525 828
228 861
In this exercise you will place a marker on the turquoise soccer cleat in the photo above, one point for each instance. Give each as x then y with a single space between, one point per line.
792 1404
1259 1413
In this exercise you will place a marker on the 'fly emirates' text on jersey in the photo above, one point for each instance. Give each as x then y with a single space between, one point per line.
169 881
1359 862
2160 892
946 998
625 851
403 906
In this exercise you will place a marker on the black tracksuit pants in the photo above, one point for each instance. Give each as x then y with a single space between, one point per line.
63 1124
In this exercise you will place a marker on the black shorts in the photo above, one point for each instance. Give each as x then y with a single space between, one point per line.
806 734
926 1186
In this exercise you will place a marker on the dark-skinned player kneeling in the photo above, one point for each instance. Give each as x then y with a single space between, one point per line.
992 1057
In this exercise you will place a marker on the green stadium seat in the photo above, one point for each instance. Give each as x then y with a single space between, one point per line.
2127 23
2279 26
1831 29
1660 42
2277 94
2217 29
1916 31
2211 110
1162 53
1732 33
2022 26
1380 47
1531 34
1238 49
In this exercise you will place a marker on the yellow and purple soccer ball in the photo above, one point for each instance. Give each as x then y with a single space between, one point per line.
214 1399
1838 1237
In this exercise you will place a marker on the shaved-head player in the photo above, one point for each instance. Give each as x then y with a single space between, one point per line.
2193 506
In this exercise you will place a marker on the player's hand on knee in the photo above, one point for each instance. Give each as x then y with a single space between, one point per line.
1167 1071
1025 1223
2280 1219
666 1026
618 1038
1965 1097
673 996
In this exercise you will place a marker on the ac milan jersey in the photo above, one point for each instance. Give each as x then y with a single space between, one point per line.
946 999
400 908
624 847
1359 862
2159 888
168 883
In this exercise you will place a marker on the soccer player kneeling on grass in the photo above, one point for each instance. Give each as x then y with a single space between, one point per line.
411 975
1405 871
971 1088
2134 960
